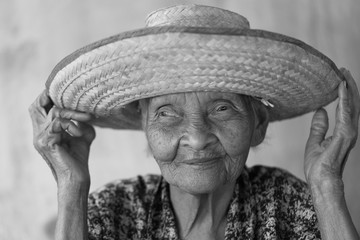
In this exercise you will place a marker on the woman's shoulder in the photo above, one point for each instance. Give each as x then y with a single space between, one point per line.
278 185
264 176
279 196
131 184
116 209
136 189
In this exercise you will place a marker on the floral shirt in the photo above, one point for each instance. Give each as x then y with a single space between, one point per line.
267 203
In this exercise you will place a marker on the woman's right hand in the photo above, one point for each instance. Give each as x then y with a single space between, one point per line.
63 138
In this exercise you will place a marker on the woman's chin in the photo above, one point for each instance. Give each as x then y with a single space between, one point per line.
199 182
199 188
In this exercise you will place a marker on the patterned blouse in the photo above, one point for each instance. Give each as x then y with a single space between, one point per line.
267 203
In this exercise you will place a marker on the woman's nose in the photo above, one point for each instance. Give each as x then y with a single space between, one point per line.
198 137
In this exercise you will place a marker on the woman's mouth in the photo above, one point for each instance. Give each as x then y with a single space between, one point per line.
201 162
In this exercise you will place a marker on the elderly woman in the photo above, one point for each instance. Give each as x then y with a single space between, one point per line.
203 87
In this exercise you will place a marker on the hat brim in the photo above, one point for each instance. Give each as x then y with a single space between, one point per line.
106 78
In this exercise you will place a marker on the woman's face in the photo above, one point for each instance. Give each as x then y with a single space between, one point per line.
200 140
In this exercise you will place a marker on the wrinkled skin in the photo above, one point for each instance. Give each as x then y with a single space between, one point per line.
184 130
63 139
325 157
200 140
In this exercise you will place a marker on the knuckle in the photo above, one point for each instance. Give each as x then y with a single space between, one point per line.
36 144
317 127
40 143
55 124
348 136
62 113
31 108
92 133
89 132
345 115
59 120
54 112
347 109
352 135
56 120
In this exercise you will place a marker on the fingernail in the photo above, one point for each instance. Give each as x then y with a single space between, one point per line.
68 132
75 122
345 84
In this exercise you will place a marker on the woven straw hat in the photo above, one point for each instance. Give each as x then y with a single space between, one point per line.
192 48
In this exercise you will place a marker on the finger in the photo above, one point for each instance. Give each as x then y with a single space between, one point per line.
343 112
56 112
319 127
61 125
79 129
337 153
353 94
325 144
87 131
53 134
73 128
39 108
344 129
345 133
44 103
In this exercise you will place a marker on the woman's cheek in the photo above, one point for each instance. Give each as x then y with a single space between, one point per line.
236 139
162 143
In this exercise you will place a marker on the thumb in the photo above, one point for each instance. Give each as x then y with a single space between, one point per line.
319 127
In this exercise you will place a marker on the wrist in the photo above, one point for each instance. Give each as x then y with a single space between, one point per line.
74 184
72 203
327 191
72 213
74 192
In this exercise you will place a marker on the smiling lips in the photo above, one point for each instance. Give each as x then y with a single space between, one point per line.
201 161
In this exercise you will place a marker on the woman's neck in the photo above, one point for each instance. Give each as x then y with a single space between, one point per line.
201 216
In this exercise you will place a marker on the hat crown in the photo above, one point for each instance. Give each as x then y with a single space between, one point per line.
196 16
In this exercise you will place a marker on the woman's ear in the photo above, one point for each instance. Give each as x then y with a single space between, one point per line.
261 115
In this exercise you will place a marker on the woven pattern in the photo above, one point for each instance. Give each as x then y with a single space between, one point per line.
107 80
195 16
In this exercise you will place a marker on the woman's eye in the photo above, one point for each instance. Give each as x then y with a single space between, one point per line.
222 108
223 111
166 113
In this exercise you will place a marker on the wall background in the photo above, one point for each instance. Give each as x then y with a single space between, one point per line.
36 34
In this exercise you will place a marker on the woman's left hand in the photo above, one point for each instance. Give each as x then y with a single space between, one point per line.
325 158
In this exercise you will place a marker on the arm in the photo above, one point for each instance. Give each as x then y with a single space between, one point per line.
63 139
72 213
325 159
332 212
